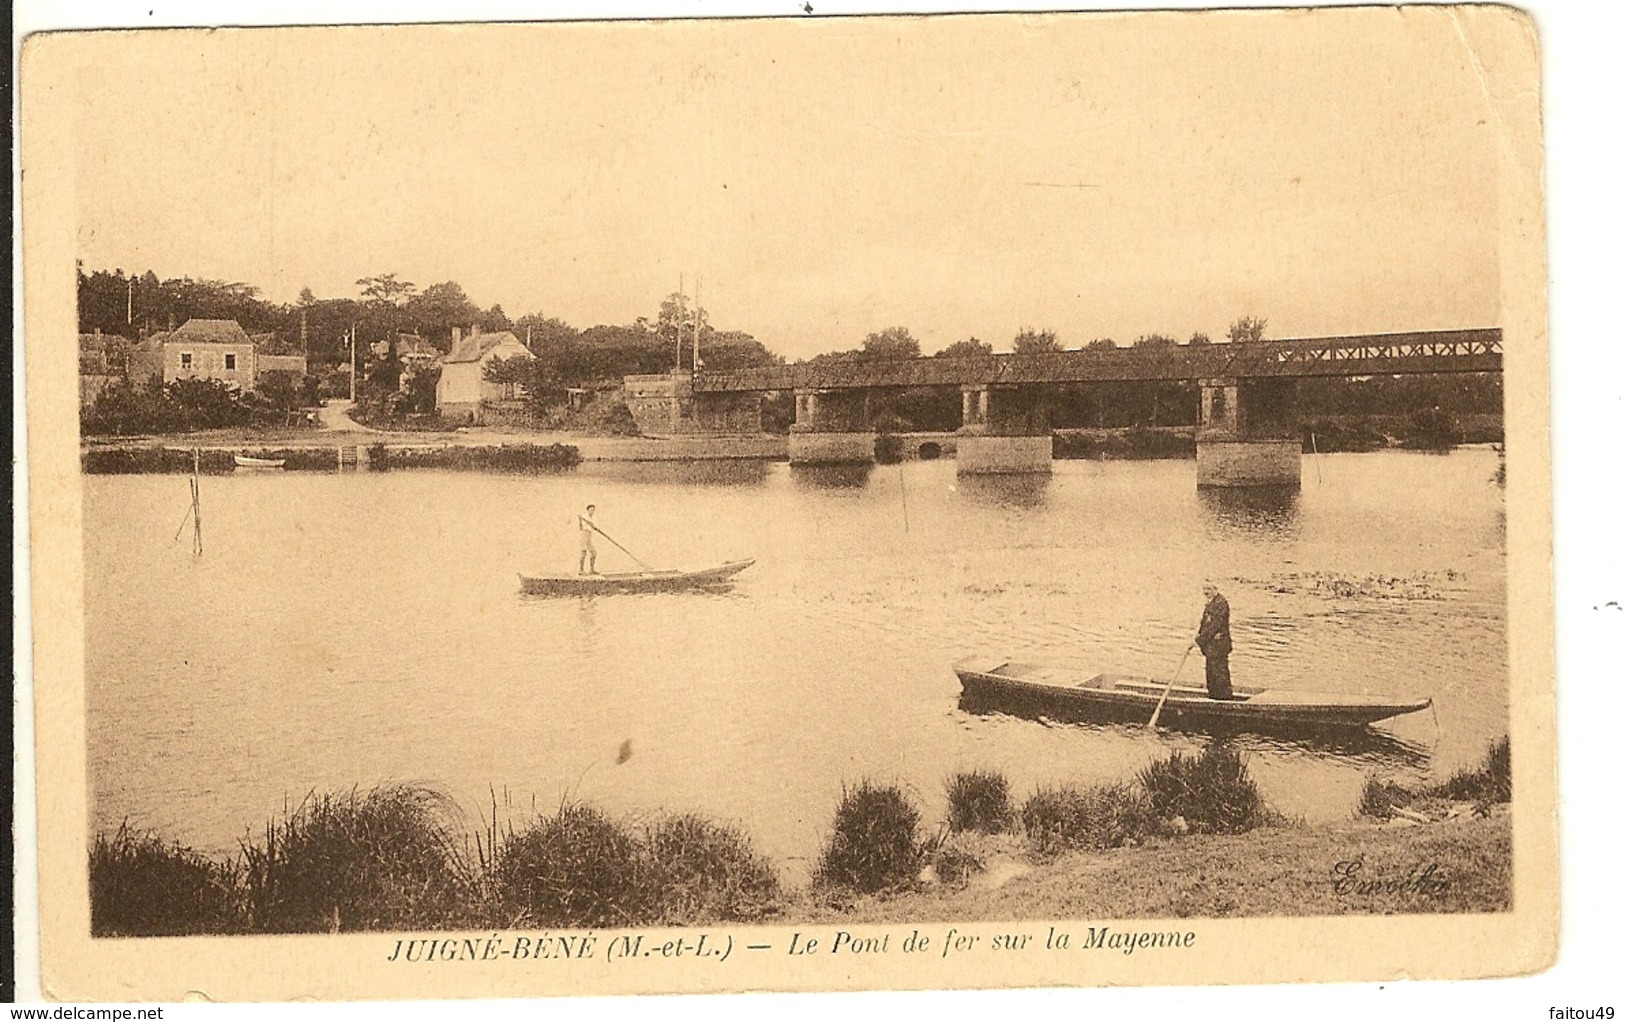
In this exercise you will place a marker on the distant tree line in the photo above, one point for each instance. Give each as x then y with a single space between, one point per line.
387 306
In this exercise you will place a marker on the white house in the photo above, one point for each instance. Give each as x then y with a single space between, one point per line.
463 392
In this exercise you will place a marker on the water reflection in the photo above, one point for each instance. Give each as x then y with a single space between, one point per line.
1370 745
1251 509
831 477
718 472
1024 490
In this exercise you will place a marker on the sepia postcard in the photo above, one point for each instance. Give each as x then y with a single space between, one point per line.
796 503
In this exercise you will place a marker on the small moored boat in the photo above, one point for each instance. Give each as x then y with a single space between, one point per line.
248 461
998 682
631 581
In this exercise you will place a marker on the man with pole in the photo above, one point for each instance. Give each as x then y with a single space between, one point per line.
1213 637
589 553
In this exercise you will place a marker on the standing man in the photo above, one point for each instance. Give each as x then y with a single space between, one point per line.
1213 636
589 553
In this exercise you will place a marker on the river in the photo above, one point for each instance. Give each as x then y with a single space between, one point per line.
364 628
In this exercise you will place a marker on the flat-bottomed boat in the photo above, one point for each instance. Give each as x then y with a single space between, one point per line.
995 682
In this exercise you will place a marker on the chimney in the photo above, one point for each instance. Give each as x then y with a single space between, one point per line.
456 337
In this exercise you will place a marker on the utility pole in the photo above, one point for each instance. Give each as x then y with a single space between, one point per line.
679 325
129 301
352 362
696 325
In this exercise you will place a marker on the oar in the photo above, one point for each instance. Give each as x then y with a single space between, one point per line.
1169 688
629 553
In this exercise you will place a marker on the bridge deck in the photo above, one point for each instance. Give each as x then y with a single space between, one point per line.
1434 351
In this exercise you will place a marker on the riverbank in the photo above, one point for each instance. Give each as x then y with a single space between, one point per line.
1189 837
305 450
1359 867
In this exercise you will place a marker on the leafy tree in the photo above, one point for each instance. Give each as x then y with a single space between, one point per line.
892 342
437 309
307 298
386 289
734 349
1156 341
1101 344
969 348
543 332
420 390
1035 342
1198 339
494 319
1247 328
676 322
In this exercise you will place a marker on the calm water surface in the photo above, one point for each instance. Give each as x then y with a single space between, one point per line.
350 630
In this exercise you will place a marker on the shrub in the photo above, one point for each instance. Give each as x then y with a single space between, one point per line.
1379 798
122 461
1211 791
1327 436
142 887
383 859
1433 429
979 800
888 449
1132 444
577 868
503 458
874 845
699 871
955 865
1105 816
1490 781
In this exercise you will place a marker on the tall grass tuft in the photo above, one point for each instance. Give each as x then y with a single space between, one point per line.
699 871
1105 816
874 845
142 887
381 859
979 800
1490 781
576 868
1211 792
1378 799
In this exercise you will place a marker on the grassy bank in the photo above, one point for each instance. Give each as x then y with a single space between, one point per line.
132 460
1136 444
497 458
1189 835
325 458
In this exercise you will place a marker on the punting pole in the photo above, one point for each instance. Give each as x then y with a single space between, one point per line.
1170 687
197 506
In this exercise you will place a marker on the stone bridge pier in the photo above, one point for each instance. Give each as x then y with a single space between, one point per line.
1249 433
1005 429
831 428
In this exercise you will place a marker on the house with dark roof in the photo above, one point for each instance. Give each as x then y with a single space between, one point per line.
219 349
463 394
210 349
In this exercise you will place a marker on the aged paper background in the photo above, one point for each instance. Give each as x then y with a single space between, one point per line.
1298 949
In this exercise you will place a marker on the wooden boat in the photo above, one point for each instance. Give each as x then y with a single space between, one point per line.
631 581
997 682
247 461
